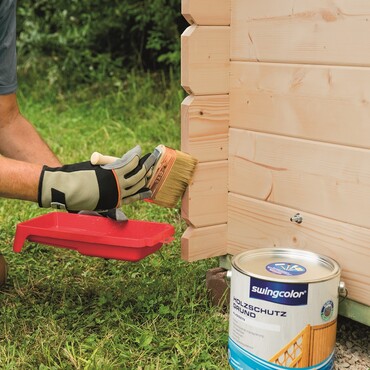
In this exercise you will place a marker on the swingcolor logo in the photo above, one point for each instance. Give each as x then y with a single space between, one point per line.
282 293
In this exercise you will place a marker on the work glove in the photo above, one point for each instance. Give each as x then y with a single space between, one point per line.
83 186
143 193
116 213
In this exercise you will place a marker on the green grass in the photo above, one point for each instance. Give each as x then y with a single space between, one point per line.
61 310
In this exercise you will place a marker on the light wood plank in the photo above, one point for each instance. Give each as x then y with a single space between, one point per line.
324 179
205 59
207 12
321 103
313 32
205 200
205 127
257 224
204 242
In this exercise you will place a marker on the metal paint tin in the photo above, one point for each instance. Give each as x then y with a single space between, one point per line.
283 310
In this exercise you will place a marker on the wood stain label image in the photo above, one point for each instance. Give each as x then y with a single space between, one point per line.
283 310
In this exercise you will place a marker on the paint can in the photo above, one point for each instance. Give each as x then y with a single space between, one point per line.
283 310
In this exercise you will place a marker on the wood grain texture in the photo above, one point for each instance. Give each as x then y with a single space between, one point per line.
205 127
297 74
207 12
205 59
322 103
258 224
204 242
205 200
323 179
322 342
312 32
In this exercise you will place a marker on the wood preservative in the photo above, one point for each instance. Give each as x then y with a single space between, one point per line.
283 310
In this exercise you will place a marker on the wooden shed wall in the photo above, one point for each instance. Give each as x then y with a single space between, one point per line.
279 117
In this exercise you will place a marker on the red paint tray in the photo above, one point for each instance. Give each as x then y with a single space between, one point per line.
94 235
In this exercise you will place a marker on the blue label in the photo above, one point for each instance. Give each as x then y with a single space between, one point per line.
285 268
282 293
240 359
327 310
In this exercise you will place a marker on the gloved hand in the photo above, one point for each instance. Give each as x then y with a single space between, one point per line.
83 186
143 193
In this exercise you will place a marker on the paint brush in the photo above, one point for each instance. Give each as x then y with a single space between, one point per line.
170 177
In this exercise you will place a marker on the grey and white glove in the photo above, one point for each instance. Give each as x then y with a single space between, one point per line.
83 186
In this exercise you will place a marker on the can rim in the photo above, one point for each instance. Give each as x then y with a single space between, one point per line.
332 265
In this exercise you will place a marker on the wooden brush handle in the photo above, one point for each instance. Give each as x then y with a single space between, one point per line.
98 158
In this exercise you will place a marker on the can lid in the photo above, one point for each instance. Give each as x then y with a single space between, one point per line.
286 264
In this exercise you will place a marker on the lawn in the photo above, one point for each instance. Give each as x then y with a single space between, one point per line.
62 310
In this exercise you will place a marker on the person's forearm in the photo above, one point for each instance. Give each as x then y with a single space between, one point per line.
19 139
19 180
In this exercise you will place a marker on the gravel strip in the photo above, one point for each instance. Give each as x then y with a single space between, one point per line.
353 345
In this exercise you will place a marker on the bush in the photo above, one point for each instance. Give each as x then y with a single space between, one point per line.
90 40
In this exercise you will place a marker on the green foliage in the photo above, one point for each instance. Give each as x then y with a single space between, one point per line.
94 40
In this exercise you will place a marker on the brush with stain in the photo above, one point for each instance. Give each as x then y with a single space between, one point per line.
172 174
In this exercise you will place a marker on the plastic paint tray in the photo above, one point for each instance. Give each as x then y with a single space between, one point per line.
95 235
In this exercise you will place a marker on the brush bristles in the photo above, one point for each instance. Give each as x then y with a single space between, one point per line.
177 180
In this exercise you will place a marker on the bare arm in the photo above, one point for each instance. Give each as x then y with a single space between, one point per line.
23 152
18 138
19 179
